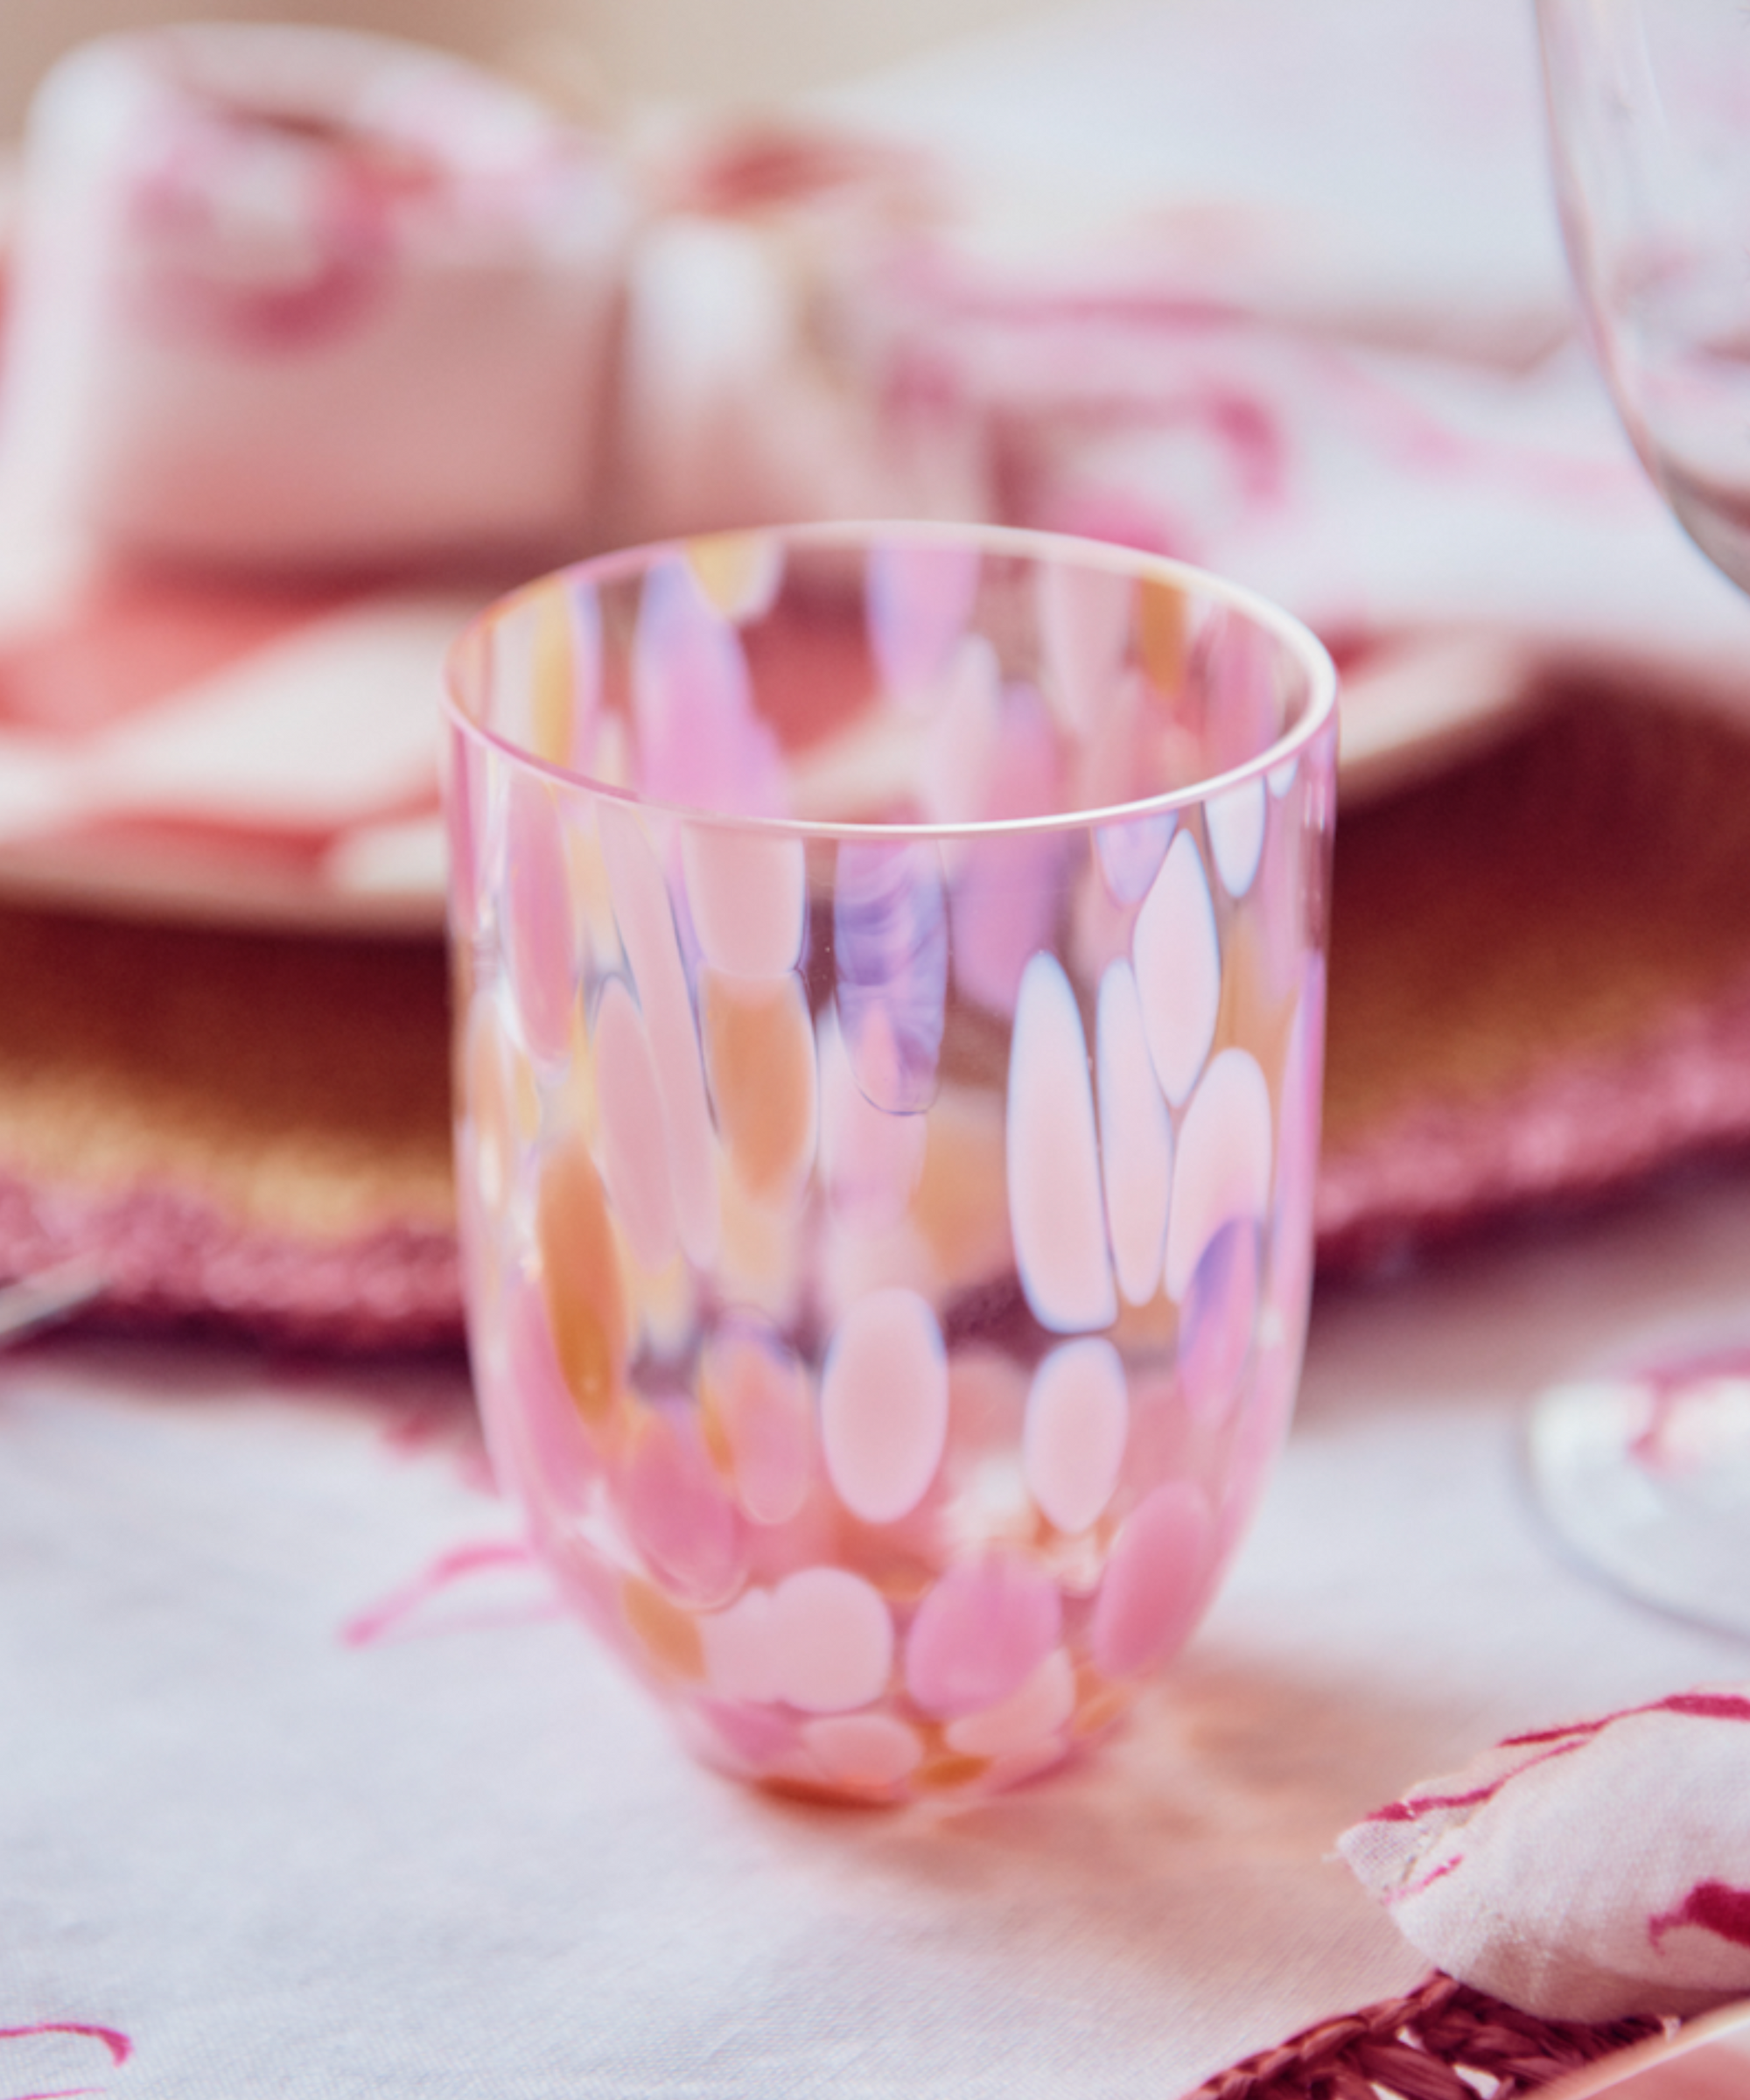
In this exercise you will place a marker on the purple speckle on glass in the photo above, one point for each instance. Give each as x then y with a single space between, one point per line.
889 937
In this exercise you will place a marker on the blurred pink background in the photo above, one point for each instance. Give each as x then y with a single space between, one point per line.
694 49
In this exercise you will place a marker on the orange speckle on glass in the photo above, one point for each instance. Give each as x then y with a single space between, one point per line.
1098 1702
942 1774
797 1786
663 1303
904 1582
670 1635
757 1410
1252 1012
961 1204
1160 634
1147 1330
759 1052
759 1259
553 678
489 1100
738 571
581 1283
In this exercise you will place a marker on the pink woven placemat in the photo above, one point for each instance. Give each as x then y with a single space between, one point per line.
250 1130
1442 2041
1540 992
1540 973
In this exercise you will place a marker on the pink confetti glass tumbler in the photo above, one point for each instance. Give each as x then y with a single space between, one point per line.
890 991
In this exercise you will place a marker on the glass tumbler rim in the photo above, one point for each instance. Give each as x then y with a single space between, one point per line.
1292 635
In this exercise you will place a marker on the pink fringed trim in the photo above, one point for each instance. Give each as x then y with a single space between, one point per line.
167 1257
1578 1130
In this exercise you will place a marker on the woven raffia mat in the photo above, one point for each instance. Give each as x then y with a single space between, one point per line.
245 1129
1443 2041
1540 972
1540 990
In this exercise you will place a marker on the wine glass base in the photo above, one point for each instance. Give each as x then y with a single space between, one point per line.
1643 1472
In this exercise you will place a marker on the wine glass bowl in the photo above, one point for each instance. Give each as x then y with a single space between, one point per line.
1648 109
1641 1464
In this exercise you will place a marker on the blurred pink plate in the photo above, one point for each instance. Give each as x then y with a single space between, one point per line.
255 752
261 752
1708 2059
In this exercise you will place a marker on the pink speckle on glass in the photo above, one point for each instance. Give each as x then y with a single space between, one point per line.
1077 1422
634 1138
1006 891
1130 853
1056 1207
1236 822
1178 961
834 1640
1135 1136
1240 668
647 929
759 1059
467 786
919 598
873 1750
1225 1149
751 1738
1155 1581
700 742
872 1159
1026 775
1085 615
542 1446
582 610
1218 1320
1262 1424
1296 1161
981 1633
884 1404
1032 1715
676 1511
757 1392
964 735
748 894
740 1647
538 937
1006 898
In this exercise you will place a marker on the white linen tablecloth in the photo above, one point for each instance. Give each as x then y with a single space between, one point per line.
307 1789
283 1812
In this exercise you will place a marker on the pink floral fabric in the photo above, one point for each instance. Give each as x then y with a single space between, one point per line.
1584 1871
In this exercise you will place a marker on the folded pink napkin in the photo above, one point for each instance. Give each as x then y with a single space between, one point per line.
245 751
301 297
1583 1872
771 367
293 296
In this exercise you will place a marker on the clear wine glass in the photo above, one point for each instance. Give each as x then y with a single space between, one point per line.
1643 1463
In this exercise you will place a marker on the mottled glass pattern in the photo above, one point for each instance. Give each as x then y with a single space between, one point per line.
890 981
